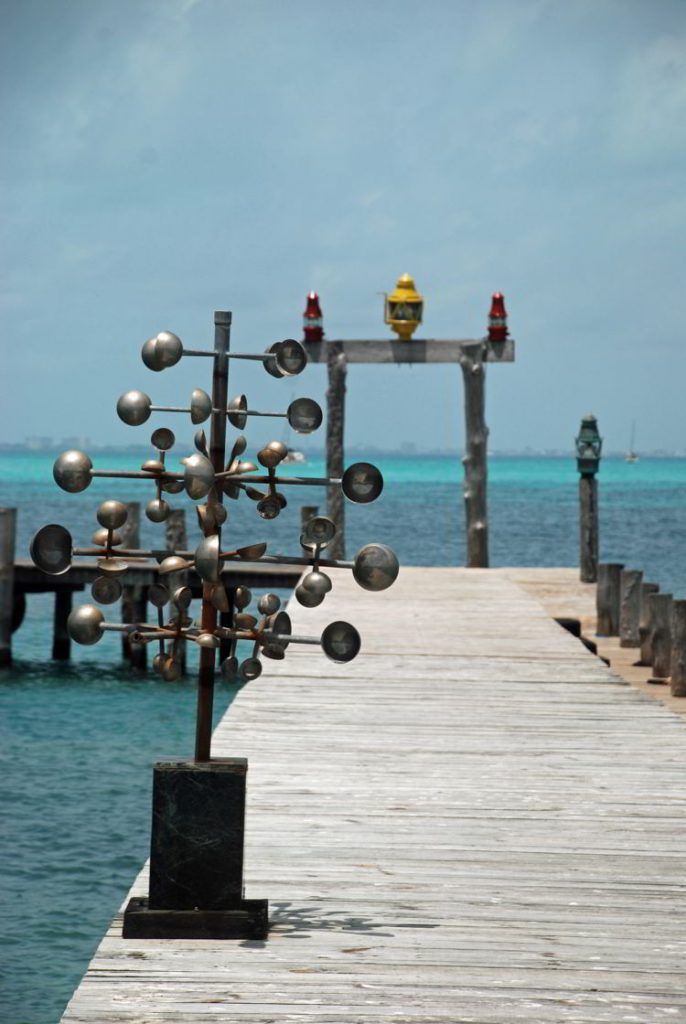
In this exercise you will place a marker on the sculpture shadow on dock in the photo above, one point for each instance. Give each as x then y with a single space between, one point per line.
290 921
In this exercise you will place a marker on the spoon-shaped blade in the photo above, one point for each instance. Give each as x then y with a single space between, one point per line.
100 536
272 454
229 669
291 357
207 640
269 507
319 530
375 567
362 482
251 668
316 583
163 439
51 549
170 670
236 412
112 514
157 510
173 563
254 494
182 597
244 620
268 604
200 442
201 405
112 566
134 408
106 590
172 486
308 598
240 444
242 597
340 642
231 490
162 350
274 651
84 624
280 624
158 595
219 598
198 476
304 415
251 552
72 471
207 559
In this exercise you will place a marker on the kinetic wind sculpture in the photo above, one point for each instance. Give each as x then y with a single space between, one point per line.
208 477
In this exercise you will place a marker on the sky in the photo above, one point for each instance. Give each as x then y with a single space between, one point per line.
161 159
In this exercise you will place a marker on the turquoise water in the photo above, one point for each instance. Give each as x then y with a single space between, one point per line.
77 742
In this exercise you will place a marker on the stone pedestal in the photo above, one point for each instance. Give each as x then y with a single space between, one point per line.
196 856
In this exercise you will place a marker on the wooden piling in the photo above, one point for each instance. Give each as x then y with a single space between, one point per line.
677 681
176 539
645 624
8 539
474 460
629 607
661 636
588 528
607 598
61 642
134 598
337 369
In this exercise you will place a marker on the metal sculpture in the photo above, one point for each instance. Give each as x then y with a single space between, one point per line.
208 477
196 866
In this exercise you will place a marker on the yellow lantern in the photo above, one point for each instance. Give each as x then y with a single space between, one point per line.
403 310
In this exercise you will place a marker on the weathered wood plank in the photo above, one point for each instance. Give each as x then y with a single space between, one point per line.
476 820
416 350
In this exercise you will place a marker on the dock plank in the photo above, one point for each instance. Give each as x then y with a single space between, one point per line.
475 821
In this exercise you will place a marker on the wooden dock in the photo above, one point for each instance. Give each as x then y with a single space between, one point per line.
474 821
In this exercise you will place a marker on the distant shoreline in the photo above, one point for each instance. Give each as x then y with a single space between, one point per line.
23 448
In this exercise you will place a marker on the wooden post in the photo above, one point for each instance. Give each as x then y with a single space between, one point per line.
678 661
337 368
607 598
472 355
662 636
8 539
176 540
474 460
61 642
629 607
133 598
645 624
588 528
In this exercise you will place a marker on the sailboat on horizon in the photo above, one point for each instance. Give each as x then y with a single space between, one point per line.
632 455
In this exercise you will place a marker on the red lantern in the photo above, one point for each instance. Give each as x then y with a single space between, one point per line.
497 318
312 319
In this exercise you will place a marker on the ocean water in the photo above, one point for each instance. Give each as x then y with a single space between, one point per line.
77 741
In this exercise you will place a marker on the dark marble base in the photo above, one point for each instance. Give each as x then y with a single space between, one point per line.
248 920
198 820
196 857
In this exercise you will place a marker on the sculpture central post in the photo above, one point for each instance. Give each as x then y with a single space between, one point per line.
220 388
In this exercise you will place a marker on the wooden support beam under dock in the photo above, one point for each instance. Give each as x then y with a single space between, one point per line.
476 820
